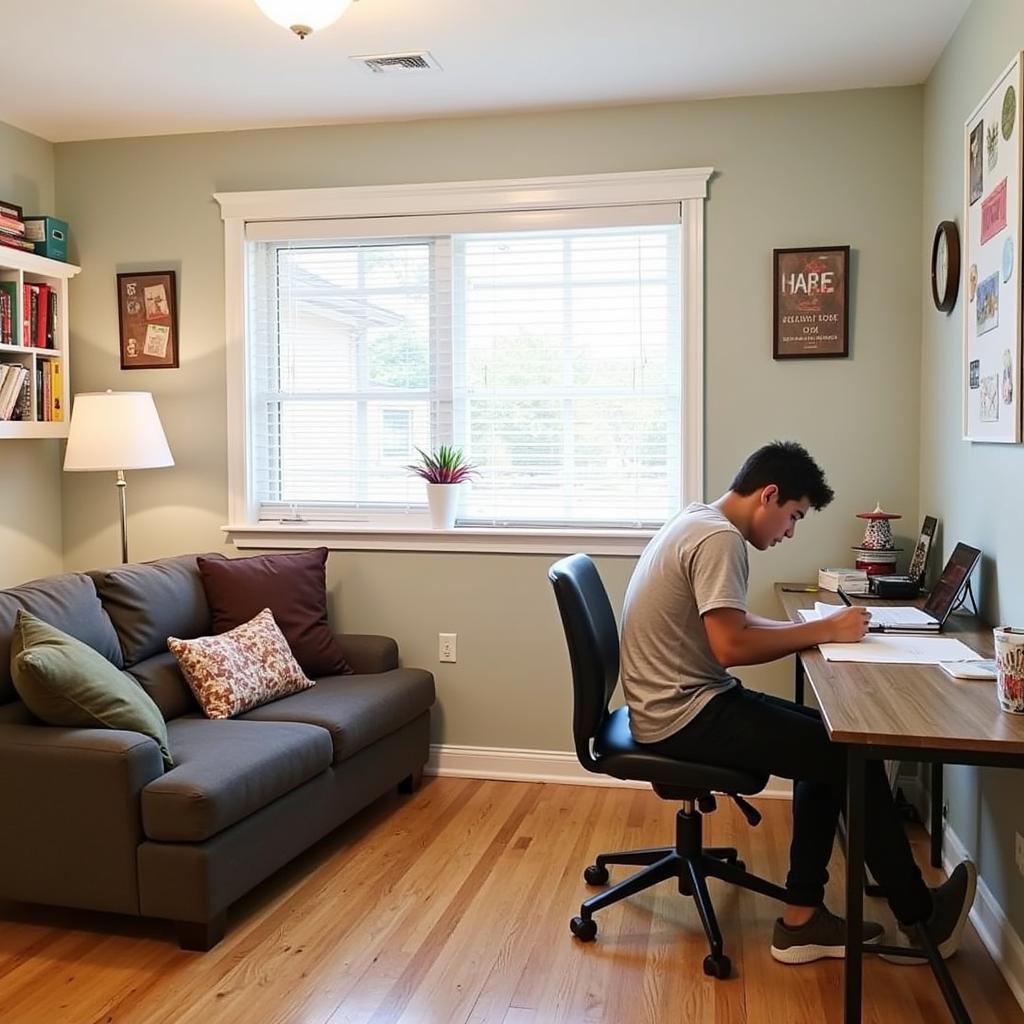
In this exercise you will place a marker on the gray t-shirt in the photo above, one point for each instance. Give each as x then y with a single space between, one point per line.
695 563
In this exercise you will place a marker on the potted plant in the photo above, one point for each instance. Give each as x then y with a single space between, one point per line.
444 470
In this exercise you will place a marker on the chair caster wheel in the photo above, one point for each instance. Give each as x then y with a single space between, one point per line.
584 928
596 875
717 966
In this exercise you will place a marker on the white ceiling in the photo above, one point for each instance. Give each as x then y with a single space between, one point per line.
88 69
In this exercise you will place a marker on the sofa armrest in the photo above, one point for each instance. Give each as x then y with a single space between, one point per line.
70 803
368 654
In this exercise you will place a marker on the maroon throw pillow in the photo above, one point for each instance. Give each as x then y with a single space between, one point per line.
293 587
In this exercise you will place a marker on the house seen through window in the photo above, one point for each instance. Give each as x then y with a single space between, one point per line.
552 357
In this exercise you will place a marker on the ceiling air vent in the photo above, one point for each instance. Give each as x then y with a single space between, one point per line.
398 63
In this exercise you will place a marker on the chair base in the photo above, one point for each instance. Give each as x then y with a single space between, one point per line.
691 865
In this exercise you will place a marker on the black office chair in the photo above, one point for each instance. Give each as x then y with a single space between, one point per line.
604 745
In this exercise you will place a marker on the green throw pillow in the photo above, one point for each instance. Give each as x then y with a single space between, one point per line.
65 682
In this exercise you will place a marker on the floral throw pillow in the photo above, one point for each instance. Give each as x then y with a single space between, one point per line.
240 669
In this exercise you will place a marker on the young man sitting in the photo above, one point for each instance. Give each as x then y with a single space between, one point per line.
685 623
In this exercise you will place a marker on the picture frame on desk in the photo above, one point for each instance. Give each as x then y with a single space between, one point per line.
147 315
810 304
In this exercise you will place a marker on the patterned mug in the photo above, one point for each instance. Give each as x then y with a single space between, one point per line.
1009 644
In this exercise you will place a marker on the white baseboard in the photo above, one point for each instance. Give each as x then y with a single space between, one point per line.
995 931
541 766
989 920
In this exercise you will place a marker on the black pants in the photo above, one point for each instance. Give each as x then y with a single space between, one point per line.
756 732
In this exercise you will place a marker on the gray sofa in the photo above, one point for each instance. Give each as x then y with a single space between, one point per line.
92 819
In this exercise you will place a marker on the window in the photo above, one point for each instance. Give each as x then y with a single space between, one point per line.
552 345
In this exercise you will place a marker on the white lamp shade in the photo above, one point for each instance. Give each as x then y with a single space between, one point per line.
115 430
313 14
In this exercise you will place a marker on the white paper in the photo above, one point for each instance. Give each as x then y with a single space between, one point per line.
898 649
821 610
891 615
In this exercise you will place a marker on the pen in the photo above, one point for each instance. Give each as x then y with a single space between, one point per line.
799 590
844 598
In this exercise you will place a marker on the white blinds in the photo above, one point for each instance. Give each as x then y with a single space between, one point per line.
545 345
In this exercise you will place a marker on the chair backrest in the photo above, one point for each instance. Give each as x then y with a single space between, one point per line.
593 641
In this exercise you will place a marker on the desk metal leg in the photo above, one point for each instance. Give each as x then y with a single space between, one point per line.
936 814
798 680
853 966
948 987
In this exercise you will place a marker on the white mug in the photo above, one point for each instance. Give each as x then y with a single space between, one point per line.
1009 644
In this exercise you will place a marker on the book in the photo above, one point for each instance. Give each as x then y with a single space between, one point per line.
12 224
42 314
10 388
48 391
853 581
10 210
56 390
9 313
13 242
51 319
23 407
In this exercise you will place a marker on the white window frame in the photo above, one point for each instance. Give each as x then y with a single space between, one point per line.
688 187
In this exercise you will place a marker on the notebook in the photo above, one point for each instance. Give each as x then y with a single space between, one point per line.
941 599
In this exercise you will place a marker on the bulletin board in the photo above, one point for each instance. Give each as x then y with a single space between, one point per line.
992 226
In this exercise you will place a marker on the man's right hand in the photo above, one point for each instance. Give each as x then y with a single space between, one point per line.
847 626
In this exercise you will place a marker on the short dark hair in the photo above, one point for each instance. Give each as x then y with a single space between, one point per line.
787 465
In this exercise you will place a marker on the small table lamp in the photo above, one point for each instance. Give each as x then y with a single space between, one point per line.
115 431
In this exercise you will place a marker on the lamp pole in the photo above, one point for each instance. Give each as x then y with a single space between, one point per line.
122 487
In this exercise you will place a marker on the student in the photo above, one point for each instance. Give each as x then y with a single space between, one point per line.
685 623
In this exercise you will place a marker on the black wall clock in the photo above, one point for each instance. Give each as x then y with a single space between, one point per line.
945 266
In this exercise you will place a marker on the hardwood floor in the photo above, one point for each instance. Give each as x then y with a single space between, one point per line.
452 907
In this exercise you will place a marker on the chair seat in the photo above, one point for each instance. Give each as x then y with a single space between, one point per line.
619 755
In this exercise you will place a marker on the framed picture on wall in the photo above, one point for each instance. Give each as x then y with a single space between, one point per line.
991 261
147 314
811 302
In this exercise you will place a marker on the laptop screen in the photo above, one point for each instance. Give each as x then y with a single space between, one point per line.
953 579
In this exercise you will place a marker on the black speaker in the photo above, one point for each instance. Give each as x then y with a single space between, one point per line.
893 586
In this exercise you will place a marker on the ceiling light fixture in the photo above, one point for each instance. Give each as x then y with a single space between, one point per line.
303 16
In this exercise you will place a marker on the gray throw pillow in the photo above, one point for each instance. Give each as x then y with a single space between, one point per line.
65 682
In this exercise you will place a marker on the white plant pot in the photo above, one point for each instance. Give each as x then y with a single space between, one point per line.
444 503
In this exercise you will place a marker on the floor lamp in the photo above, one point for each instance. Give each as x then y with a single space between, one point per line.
115 431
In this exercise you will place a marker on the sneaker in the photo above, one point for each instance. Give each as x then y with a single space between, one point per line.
951 903
824 935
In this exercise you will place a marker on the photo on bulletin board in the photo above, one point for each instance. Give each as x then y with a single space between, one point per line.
147 314
992 227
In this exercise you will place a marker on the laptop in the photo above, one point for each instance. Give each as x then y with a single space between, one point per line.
941 599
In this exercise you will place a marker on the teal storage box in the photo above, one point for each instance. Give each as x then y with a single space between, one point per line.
49 235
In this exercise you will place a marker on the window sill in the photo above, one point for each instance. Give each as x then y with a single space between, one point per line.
466 540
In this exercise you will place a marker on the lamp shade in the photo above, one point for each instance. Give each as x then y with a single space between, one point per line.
115 430
303 14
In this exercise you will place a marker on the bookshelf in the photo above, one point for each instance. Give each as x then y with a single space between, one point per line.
23 268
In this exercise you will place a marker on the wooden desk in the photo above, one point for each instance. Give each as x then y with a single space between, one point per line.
908 712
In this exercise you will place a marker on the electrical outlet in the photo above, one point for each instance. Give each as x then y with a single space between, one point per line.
446 646
1019 852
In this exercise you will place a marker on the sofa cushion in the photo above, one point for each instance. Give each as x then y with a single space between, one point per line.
150 601
239 669
160 676
227 770
294 587
65 682
68 602
356 710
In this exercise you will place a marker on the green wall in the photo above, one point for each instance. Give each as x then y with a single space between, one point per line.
30 525
977 489
795 170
